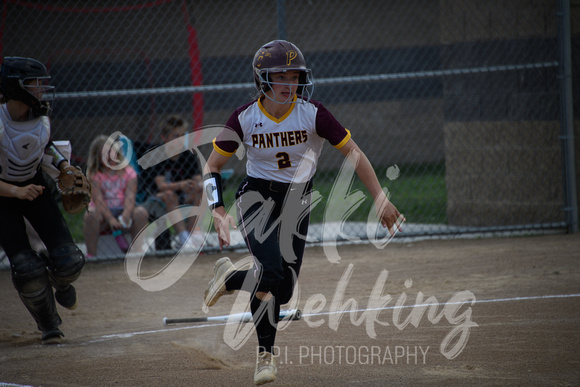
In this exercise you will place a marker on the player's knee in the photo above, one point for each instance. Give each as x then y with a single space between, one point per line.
29 274
264 296
66 263
265 292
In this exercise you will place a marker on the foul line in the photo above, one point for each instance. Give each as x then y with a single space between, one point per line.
497 300
446 303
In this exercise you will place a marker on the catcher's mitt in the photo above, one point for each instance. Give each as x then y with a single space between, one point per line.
75 189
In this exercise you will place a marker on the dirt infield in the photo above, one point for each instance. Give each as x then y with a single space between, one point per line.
502 311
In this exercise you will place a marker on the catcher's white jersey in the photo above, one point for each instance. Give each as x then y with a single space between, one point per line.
285 149
22 146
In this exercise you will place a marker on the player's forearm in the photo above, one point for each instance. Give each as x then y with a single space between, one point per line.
219 212
58 159
63 165
7 190
212 184
364 170
215 163
367 175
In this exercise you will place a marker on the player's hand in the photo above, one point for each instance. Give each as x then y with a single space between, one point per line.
29 192
388 214
222 222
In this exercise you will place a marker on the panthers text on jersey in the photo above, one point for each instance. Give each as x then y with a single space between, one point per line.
284 149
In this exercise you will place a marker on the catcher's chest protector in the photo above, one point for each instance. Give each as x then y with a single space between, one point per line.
22 146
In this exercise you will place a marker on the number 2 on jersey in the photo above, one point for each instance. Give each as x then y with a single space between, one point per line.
283 160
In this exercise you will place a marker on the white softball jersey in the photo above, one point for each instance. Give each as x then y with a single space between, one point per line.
285 149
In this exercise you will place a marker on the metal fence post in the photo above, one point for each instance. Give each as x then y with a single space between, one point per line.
281 10
567 116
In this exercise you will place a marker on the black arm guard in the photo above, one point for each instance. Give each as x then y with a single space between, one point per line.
212 183
57 157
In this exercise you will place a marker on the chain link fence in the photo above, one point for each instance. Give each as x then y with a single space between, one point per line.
457 103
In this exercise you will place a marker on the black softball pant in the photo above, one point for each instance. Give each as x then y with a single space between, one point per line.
42 213
274 218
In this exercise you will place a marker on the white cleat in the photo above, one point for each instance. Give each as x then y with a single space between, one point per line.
217 286
266 369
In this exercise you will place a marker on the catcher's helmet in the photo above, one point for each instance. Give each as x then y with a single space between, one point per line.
281 56
16 76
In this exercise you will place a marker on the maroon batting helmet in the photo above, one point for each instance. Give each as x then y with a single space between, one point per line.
281 56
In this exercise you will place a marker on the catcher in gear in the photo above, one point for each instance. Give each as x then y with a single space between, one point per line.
41 279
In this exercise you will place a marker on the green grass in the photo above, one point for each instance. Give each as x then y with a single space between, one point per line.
75 225
419 193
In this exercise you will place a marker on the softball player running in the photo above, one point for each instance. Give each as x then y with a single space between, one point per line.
24 142
283 132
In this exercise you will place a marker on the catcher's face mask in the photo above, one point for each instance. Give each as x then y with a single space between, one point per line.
27 80
39 88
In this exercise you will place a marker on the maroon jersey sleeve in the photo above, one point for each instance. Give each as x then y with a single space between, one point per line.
228 141
329 128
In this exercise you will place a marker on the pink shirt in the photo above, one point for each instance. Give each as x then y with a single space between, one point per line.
113 186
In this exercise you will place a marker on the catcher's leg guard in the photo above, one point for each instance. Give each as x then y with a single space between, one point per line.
65 264
30 279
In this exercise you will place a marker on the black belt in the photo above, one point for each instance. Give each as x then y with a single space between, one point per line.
269 185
